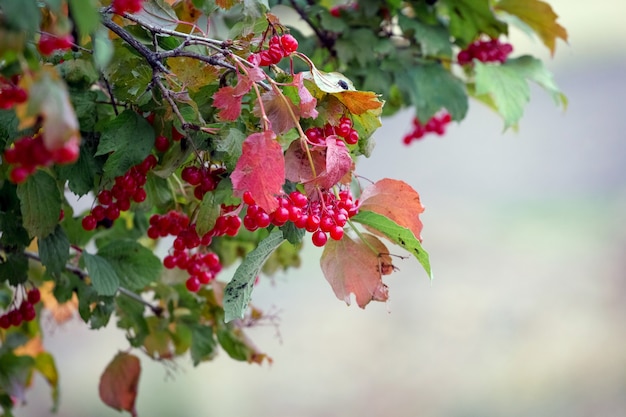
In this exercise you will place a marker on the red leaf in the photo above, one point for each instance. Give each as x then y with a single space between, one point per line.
307 101
228 98
354 267
118 383
338 163
277 109
396 200
228 103
260 170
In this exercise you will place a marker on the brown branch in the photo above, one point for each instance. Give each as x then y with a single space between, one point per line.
326 40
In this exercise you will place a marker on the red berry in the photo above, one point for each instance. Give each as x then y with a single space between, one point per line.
89 222
336 233
319 238
161 143
247 198
67 154
176 135
192 175
5 322
19 174
289 43
280 216
193 284
105 197
112 213
352 138
15 317
140 195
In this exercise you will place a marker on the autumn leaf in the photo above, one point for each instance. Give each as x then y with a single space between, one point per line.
307 101
260 170
227 4
356 267
298 166
228 98
539 16
280 111
61 312
193 73
118 383
338 163
395 200
358 102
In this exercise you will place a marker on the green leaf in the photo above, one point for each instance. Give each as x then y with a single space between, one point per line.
136 265
356 44
15 372
54 250
85 16
208 212
434 40
202 343
533 69
131 316
470 18
102 49
233 342
431 87
40 203
130 138
158 190
21 15
292 233
103 277
238 291
230 145
14 268
44 363
397 234
507 88
81 175
539 16
158 14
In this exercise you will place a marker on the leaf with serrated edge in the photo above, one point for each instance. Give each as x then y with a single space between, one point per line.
103 277
539 16
238 291
354 267
208 212
397 234
533 69
54 250
135 265
40 203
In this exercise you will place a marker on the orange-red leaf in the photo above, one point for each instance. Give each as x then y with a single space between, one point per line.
338 163
228 103
279 110
260 170
118 383
307 101
396 200
356 267
358 102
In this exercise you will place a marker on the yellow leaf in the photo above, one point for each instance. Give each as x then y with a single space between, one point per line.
31 348
358 102
193 73
539 16
60 312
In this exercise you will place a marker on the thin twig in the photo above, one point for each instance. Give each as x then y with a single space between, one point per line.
157 310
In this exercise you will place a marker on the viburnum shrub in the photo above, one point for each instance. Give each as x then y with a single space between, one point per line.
204 134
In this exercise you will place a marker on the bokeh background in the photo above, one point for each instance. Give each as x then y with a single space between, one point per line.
527 312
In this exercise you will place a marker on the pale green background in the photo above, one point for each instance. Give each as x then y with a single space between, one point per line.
526 316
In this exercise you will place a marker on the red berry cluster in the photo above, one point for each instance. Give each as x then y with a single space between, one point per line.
323 217
130 6
201 267
28 153
11 94
436 124
202 178
279 47
127 187
25 312
48 43
485 51
317 135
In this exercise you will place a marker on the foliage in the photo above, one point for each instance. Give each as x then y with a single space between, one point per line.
213 129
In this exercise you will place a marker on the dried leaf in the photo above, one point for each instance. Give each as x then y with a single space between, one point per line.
118 383
356 267
260 170
396 200
280 111
298 167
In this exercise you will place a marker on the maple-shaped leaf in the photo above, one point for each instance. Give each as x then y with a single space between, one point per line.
260 170
193 73
539 16
228 98
338 163
356 267
118 383
395 200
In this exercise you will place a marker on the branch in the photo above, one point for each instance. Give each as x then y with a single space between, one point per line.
327 41
157 310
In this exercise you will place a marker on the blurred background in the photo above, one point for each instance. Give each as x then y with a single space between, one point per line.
526 315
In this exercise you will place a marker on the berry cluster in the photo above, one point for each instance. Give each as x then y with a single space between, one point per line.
317 135
436 124
323 217
28 153
11 94
202 178
25 312
130 6
279 47
201 267
48 43
127 187
485 51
